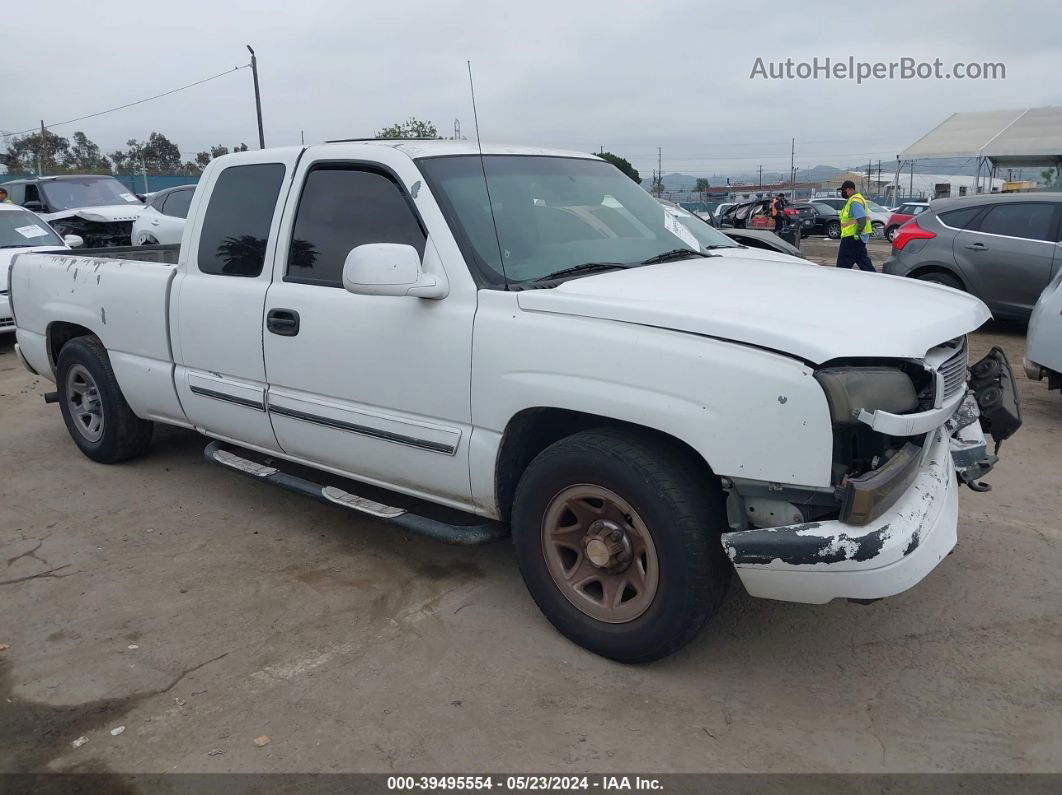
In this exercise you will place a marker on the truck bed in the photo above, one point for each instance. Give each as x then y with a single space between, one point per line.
123 301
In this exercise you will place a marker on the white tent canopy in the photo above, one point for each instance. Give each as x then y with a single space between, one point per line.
1023 138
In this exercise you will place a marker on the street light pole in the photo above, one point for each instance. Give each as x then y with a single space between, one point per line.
257 97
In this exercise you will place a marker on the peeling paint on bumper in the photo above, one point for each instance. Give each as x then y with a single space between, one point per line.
820 561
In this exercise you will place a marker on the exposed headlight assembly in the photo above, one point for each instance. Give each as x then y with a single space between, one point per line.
852 389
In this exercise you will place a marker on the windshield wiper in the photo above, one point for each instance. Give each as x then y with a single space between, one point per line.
675 253
586 267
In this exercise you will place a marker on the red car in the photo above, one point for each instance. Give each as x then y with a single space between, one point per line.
904 213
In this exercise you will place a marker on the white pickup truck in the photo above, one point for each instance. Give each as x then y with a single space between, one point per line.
461 344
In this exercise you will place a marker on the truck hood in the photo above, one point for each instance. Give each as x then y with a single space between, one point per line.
100 215
816 314
761 254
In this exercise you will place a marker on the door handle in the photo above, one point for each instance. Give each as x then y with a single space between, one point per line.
284 322
977 247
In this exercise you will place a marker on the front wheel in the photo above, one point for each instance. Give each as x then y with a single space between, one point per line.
833 230
617 538
890 233
96 413
877 230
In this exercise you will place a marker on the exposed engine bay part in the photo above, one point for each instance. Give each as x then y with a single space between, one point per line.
96 233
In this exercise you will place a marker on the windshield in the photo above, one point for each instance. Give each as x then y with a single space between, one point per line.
874 206
19 228
554 213
68 194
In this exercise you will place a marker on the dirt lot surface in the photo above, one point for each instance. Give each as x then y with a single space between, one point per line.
200 611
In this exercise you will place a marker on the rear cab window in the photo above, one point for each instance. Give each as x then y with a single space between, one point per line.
236 226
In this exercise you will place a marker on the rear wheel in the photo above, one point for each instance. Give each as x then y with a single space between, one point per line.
940 277
617 538
95 412
833 230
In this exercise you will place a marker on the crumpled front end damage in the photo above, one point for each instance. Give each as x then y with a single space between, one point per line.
815 562
96 231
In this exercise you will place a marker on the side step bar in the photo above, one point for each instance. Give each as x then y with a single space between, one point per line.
217 453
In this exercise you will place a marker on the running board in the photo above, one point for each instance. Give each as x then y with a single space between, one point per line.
219 453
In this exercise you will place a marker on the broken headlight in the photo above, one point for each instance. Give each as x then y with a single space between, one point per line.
852 389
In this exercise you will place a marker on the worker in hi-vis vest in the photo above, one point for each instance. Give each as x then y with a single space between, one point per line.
855 230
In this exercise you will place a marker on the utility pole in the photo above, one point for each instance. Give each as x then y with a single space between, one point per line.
792 155
143 172
760 179
257 97
302 137
660 163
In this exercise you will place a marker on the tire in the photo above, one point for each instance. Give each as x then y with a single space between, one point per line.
656 492
940 277
96 413
877 230
145 239
890 233
833 230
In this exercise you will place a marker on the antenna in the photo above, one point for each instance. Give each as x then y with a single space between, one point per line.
486 185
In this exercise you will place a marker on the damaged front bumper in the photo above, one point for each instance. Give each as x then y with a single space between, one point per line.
816 562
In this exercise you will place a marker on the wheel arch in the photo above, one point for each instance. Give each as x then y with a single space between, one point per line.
532 430
59 333
940 267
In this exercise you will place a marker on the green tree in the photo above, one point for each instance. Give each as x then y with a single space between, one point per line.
702 185
158 155
48 149
622 164
1048 176
84 156
411 128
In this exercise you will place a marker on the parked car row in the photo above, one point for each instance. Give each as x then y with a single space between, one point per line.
102 211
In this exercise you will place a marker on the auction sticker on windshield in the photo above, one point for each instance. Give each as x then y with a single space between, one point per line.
129 197
31 231
673 225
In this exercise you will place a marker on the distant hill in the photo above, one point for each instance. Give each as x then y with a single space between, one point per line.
956 166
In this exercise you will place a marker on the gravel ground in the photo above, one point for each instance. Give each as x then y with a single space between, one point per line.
200 611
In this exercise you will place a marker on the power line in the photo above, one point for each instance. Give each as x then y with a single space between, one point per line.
139 101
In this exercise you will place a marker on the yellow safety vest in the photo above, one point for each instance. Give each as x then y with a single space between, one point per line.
848 223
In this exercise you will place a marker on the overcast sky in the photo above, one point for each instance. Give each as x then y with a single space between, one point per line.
629 76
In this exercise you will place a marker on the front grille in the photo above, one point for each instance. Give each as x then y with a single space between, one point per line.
6 322
953 371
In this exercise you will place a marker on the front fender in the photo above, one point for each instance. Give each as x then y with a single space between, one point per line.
748 412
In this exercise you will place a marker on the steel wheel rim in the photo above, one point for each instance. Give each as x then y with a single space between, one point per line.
580 526
83 403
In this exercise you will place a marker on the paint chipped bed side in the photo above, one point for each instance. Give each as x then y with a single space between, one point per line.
815 562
